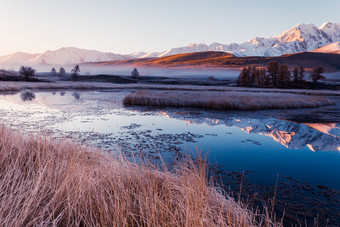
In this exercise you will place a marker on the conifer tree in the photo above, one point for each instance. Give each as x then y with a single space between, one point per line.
253 76
316 74
75 72
244 79
301 78
273 71
284 76
302 73
295 76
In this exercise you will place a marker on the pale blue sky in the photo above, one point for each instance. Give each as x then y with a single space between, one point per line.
149 25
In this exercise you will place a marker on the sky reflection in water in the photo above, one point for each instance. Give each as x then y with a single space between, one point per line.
237 140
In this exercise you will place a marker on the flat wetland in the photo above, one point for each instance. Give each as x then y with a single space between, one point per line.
292 153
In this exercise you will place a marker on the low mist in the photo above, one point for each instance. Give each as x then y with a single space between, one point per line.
88 69
163 72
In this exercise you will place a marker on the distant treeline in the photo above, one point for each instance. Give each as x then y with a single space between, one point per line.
276 75
25 74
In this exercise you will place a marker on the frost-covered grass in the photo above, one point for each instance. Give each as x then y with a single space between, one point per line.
61 85
225 100
45 183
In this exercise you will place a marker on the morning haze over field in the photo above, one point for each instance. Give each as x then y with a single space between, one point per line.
176 113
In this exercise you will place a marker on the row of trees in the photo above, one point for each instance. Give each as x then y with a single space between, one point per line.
276 75
28 72
74 72
61 71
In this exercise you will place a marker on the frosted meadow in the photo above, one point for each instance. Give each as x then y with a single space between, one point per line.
261 143
170 113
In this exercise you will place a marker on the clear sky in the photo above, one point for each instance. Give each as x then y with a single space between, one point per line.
149 25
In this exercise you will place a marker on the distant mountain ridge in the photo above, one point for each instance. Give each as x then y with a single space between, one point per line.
300 38
61 57
223 60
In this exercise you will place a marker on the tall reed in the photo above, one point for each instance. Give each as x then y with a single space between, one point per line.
225 100
44 183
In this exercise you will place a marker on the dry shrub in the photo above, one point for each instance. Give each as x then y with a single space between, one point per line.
44 183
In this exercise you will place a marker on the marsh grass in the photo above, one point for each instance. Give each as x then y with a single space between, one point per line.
225 100
44 183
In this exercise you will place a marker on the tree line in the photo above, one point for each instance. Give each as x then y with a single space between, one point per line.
276 75
28 73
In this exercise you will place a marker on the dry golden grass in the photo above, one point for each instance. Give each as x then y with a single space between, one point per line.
225 100
45 183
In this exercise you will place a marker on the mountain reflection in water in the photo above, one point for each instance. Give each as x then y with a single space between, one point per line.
292 135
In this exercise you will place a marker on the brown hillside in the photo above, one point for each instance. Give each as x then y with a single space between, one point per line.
190 58
331 62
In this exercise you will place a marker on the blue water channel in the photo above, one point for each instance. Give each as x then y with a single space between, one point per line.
303 144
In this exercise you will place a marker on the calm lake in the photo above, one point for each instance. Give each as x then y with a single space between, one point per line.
302 144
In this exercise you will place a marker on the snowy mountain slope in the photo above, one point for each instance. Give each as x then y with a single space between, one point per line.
302 37
333 48
71 55
62 56
18 57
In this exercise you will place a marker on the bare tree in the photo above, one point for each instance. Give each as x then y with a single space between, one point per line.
135 73
53 71
27 72
316 74
62 71
75 72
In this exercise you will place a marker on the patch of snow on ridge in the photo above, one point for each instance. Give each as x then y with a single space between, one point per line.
333 48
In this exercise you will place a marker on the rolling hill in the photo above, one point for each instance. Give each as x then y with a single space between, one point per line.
333 48
211 59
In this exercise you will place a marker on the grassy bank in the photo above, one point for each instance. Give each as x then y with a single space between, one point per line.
225 100
45 183
6 86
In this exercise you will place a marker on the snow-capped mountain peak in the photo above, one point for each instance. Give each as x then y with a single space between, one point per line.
300 38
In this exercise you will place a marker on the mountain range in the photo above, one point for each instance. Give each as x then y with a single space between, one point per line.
300 38
217 60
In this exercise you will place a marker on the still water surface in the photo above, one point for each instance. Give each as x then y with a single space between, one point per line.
303 144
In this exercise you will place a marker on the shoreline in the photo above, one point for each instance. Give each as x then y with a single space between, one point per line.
59 182
6 86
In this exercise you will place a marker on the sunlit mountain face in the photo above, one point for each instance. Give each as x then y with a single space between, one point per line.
299 38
